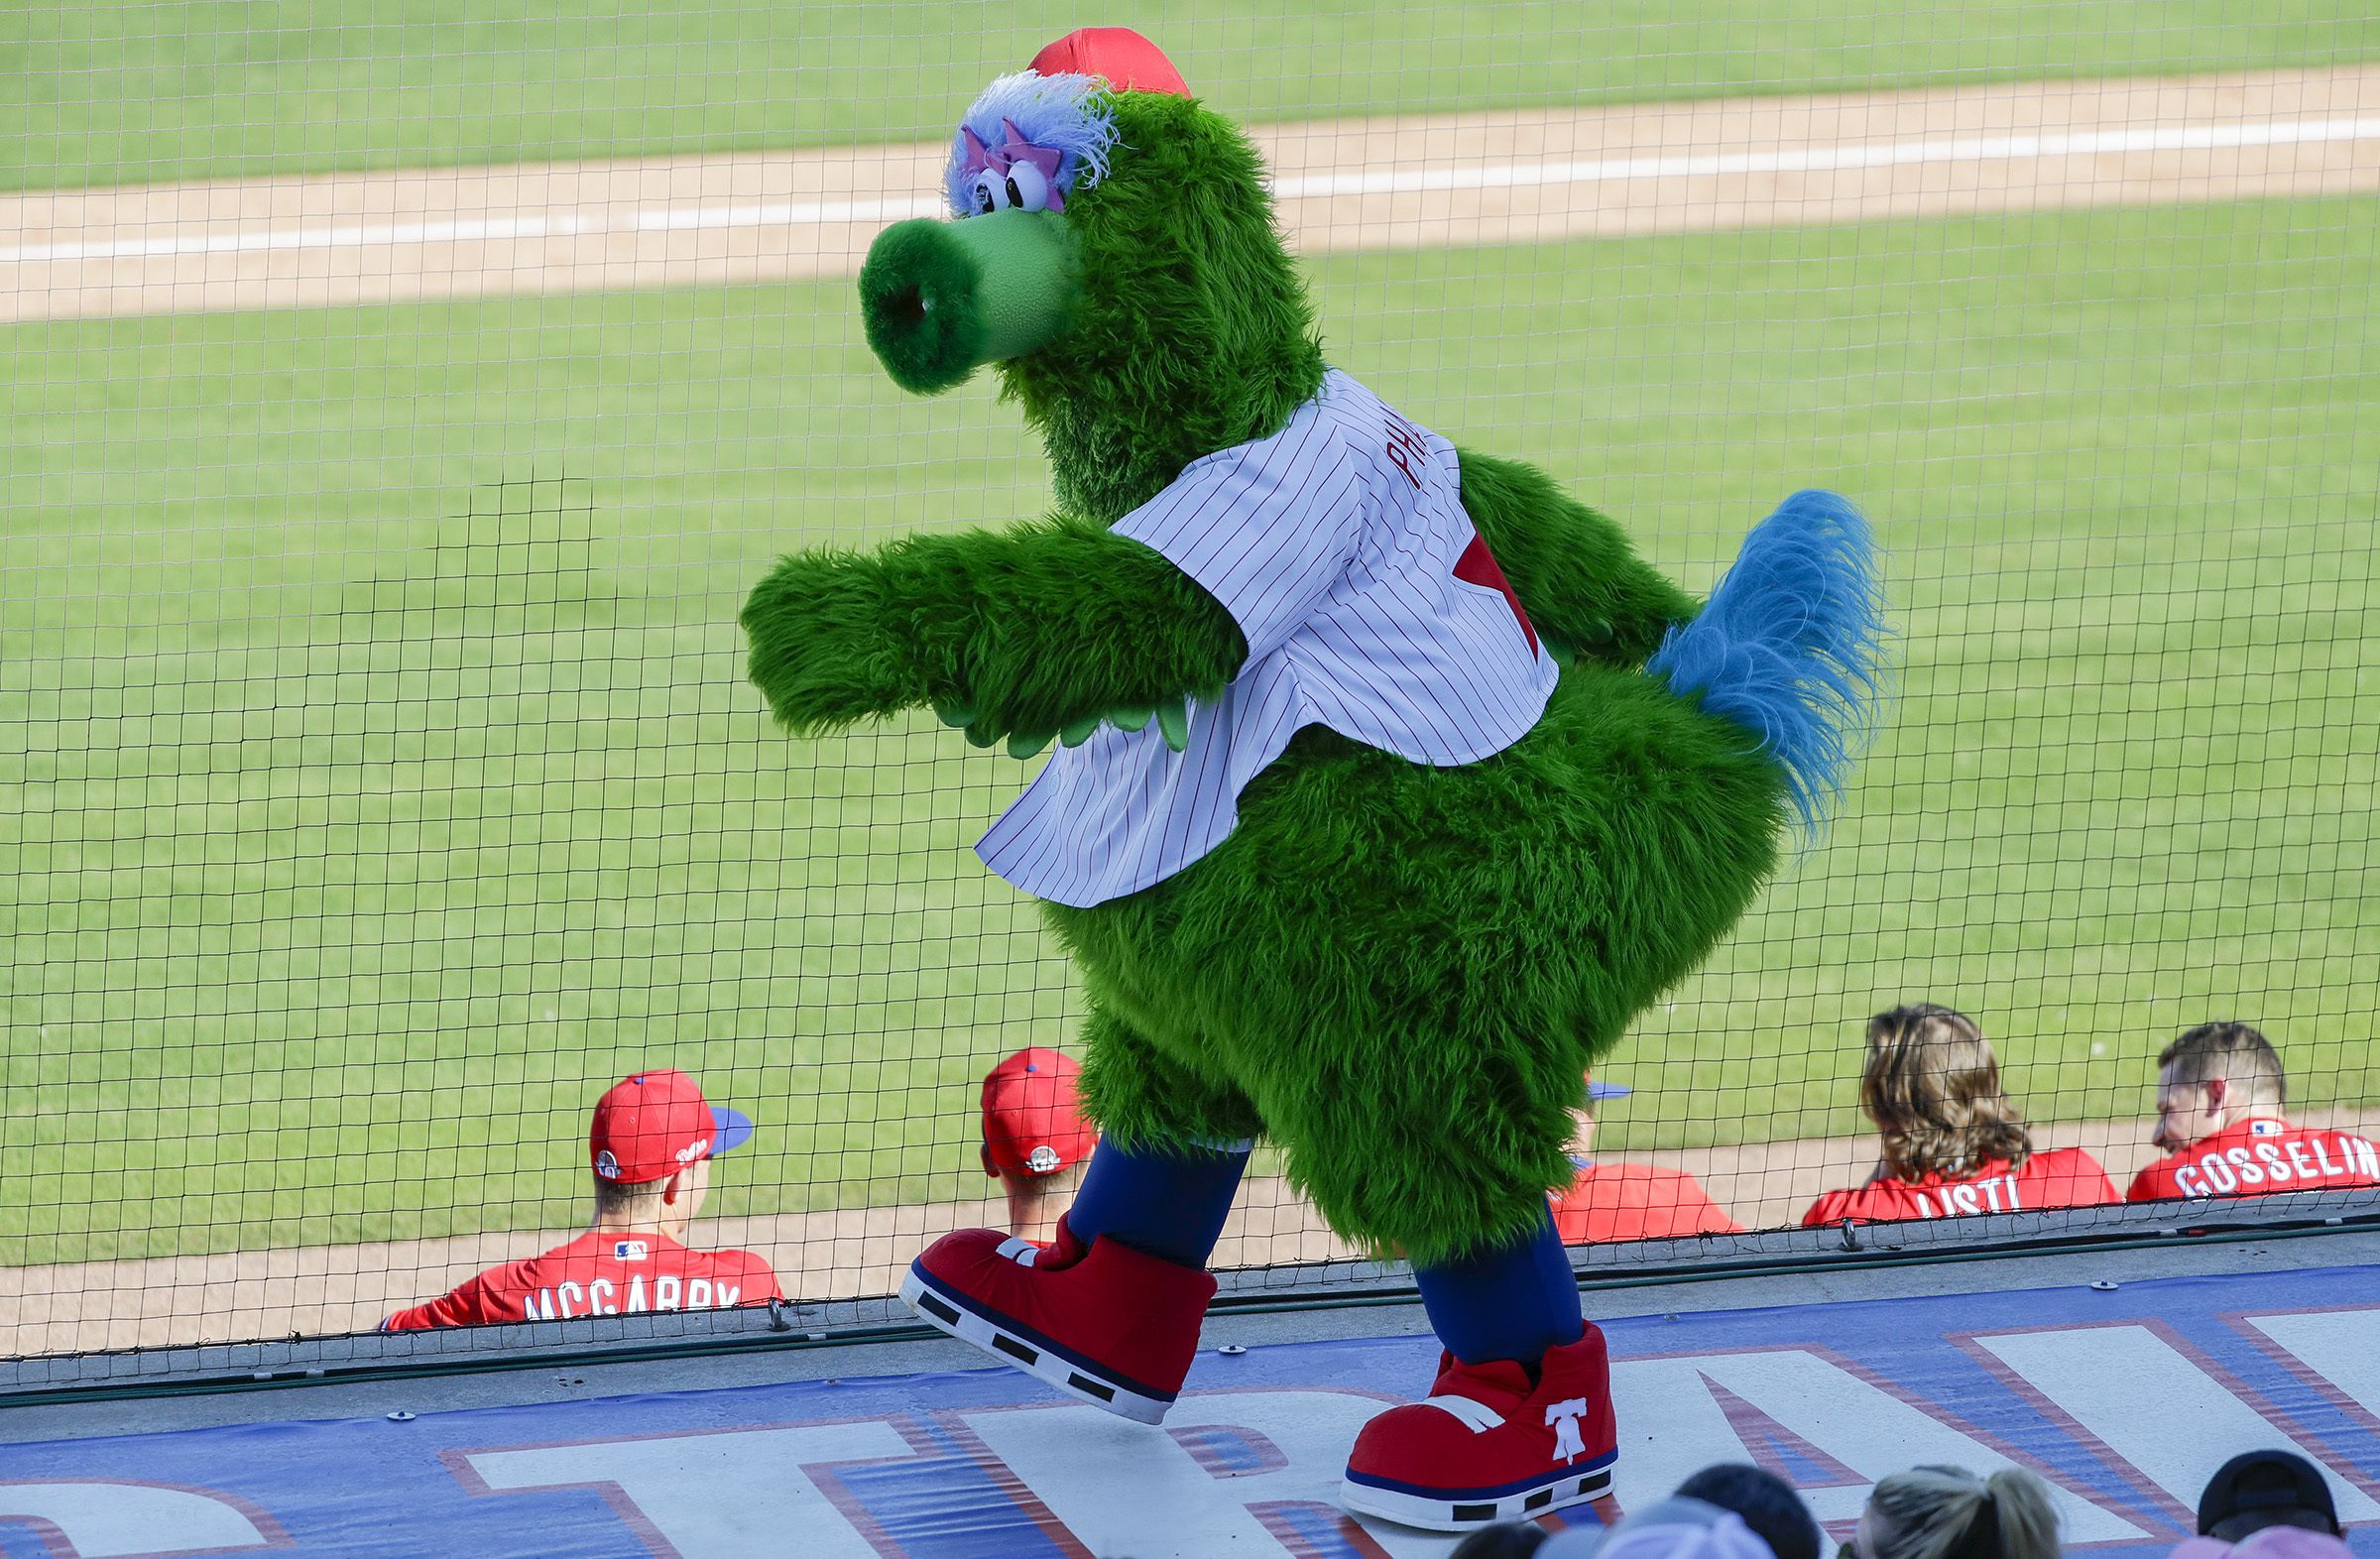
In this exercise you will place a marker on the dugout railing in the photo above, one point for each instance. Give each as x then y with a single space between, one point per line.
1674 1266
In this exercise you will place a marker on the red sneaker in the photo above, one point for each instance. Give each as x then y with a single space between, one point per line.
1109 1325
1487 1445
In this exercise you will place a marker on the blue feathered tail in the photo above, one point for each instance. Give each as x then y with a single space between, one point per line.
1790 645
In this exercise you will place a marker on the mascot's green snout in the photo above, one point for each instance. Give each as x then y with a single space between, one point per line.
943 299
1390 784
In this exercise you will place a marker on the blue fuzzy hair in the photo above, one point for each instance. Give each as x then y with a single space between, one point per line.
1071 114
1790 645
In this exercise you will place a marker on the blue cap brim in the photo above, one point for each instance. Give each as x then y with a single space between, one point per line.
1595 1090
730 1130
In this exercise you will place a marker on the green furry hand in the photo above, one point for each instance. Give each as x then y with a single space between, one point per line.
826 647
1173 723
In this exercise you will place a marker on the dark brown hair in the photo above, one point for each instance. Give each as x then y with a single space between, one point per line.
2234 1052
628 1199
1931 1085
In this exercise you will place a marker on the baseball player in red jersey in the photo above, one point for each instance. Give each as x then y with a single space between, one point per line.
2220 1097
1954 1143
1610 1200
1035 1139
651 1146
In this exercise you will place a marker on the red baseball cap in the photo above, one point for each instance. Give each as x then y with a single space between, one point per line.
1129 62
1032 1116
651 1126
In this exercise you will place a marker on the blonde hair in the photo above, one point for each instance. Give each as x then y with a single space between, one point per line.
1948 1512
1931 1085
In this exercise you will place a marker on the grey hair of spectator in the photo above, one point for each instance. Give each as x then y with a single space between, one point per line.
1948 1512
1767 1504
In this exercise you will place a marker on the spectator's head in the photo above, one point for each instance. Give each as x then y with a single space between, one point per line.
1583 1136
1678 1527
1948 1512
1767 1504
1931 1085
651 1146
2214 1076
2272 1543
2260 1488
1035 1139
1505 1540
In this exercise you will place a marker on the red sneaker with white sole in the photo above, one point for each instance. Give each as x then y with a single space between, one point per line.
1108 1324
1487 1445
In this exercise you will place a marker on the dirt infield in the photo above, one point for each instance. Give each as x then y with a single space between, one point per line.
327 1289
1359 185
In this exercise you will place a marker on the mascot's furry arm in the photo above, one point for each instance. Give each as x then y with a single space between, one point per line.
1581 582
1044 630
1028 634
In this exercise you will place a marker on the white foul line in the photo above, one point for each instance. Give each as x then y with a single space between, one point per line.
1827 158
1413 181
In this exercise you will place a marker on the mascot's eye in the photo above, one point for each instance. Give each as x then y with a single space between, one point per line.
1020 186
1028 187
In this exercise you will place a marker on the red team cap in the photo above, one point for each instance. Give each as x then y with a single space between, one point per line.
1032 1116
1129 62
651 1126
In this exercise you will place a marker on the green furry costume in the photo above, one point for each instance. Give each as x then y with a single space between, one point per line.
1397 973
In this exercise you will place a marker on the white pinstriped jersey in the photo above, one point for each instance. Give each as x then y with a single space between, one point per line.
1370 605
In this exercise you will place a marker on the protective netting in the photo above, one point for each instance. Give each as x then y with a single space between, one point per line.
396 408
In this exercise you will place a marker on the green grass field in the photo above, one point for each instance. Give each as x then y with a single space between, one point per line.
140 91
377 779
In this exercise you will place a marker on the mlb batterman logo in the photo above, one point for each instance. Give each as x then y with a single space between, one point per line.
1042 1159
606 1165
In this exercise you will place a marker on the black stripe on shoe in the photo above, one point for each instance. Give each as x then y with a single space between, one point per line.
1027 1349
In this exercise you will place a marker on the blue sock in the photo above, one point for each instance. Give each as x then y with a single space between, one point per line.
1169 1205
1509 1303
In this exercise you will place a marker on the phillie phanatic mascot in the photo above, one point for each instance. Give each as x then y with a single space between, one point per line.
1389 784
